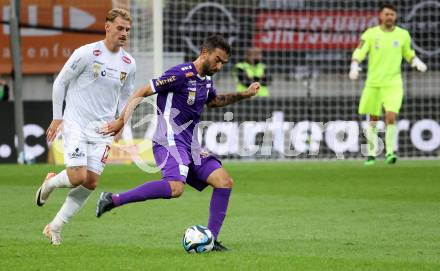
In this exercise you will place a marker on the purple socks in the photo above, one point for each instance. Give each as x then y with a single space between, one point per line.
149 190
162 190
217 209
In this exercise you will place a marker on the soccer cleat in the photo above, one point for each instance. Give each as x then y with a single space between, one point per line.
219 247
391 159
54 236
371 160
104 204
43 192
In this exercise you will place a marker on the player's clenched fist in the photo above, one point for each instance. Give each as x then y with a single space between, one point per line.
252 90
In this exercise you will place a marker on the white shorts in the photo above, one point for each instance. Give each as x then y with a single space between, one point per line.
80 150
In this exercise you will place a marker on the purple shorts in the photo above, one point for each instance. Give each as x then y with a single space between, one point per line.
176 163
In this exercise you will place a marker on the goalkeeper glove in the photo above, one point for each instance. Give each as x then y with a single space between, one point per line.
418 64
354 70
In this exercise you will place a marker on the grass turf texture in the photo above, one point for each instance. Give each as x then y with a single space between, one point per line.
282 216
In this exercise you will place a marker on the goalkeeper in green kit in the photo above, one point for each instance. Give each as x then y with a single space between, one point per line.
386 45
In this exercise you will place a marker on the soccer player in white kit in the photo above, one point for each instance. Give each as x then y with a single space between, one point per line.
95 82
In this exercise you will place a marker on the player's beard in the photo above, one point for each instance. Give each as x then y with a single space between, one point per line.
122 42
206 68
389 24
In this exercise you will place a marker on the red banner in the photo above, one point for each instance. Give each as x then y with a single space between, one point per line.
312 30
46 50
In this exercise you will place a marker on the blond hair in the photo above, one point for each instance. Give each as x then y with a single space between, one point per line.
118 12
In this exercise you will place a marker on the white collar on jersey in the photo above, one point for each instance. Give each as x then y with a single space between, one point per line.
203 78
120 52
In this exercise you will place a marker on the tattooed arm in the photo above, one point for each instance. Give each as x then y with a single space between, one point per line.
222 100
225 99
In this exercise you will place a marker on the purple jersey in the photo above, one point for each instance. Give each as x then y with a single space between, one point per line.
181 97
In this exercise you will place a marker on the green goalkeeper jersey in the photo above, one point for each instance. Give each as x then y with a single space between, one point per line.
385 50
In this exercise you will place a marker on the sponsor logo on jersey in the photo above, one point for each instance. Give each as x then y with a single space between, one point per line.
189 74
185 68
126 60
192 83
75 64
208 85
111 73
191 97
376 44
122 77
396 44
168 80
97 52
96 68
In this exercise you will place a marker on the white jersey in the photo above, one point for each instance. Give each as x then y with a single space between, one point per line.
98 82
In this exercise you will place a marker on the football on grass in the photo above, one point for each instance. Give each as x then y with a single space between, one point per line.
198 239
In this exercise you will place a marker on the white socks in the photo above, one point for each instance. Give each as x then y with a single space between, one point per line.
56 224
60 180
76 198
372 138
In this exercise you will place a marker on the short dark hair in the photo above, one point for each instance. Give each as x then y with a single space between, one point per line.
216 41
388 6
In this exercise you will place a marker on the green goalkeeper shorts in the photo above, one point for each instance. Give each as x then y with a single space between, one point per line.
374 98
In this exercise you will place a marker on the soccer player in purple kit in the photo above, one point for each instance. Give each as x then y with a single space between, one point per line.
182 93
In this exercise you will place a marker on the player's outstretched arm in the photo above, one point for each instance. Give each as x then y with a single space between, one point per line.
114 127
229 98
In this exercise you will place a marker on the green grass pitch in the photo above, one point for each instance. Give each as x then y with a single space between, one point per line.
302 215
